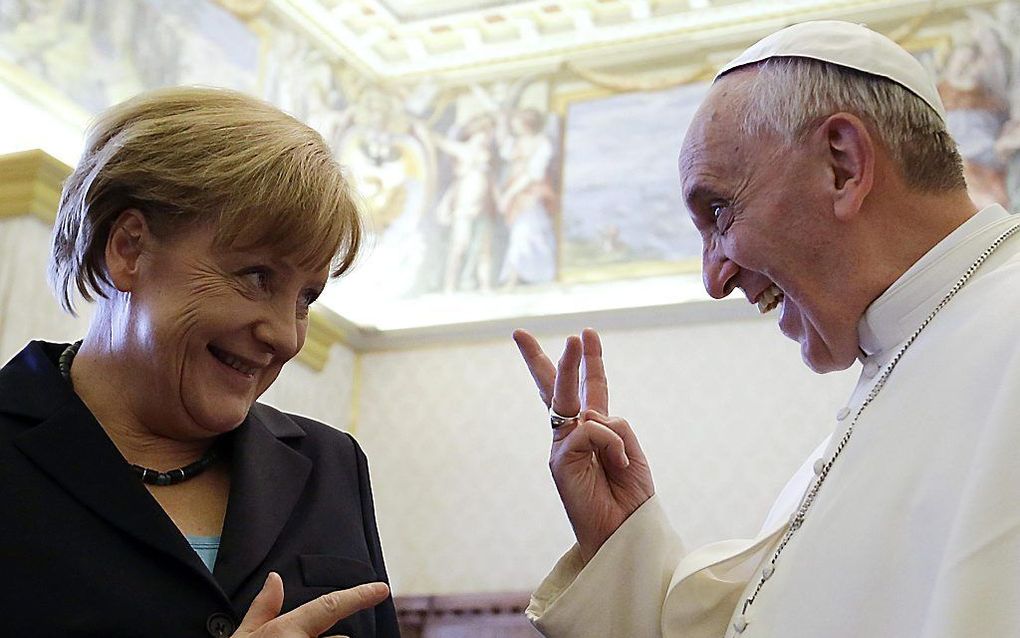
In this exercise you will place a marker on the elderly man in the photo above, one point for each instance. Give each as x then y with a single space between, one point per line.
822 180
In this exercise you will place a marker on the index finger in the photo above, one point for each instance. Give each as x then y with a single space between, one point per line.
318 615
594 387
539 364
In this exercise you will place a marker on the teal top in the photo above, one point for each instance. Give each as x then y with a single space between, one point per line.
206 547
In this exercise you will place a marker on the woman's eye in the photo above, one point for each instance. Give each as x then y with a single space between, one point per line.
257 277
305 302
307 299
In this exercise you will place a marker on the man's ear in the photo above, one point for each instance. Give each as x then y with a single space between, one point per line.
851 152
128 237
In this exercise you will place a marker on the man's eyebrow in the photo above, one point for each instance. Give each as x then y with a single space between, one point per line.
699 193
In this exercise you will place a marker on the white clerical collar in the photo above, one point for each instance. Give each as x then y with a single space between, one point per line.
895 315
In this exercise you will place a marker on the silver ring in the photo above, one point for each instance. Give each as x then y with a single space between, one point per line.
558 420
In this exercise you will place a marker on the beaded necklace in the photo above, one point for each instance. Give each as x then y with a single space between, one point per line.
148 475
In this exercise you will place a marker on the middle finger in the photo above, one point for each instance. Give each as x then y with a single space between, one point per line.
566 400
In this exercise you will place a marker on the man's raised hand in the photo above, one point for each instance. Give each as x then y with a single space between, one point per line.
597 464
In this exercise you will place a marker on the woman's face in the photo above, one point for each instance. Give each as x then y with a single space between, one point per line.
213 327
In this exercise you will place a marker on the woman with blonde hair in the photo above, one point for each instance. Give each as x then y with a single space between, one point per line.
143 490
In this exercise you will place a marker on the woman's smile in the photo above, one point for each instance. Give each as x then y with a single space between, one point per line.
237 367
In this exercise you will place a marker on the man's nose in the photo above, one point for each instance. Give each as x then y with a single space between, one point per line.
718 273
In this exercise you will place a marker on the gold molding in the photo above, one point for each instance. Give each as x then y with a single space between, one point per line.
325 329
620 83
30 183
245 10
682 35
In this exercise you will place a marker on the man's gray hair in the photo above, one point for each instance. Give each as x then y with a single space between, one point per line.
788 96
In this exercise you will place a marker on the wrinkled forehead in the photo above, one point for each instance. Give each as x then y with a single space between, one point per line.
715 123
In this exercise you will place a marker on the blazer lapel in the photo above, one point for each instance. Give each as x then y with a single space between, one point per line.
71 447
267 480
75 452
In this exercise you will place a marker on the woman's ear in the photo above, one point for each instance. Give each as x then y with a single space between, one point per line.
851 152
128 236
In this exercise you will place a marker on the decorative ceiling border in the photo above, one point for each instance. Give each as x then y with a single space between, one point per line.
544 35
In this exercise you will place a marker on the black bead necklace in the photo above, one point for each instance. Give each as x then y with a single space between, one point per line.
148 475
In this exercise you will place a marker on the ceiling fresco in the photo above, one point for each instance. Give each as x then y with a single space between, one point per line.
515 160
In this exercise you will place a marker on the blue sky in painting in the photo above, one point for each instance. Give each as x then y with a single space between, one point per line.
620 171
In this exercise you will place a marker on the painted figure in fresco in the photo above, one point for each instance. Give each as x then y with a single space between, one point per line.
1008 148
526 202
973 89
385 149
468 206
1007 20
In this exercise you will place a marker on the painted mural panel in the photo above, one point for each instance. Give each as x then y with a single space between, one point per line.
623 215
481 201
979 79
99 53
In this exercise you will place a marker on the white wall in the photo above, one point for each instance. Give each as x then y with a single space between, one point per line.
457 438
458 441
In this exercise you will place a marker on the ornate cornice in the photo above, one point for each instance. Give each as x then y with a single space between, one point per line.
468 43
325 329
30 183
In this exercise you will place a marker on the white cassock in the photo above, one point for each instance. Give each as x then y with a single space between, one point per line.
916 530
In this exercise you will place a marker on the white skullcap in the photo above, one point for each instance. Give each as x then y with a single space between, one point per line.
848 45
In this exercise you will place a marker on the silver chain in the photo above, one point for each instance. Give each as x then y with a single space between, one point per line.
823 471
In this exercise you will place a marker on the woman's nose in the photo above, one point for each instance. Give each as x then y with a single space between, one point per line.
279 330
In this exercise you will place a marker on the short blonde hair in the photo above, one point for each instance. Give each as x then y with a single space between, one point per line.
189 155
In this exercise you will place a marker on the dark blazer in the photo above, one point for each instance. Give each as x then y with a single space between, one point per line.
86 551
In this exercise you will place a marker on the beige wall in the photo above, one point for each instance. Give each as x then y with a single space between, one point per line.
28 310
458 444
457 439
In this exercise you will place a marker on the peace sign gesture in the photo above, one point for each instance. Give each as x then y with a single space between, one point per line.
596 461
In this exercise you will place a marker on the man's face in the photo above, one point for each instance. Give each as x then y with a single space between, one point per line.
765 213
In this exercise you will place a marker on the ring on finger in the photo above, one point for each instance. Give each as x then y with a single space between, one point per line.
557 420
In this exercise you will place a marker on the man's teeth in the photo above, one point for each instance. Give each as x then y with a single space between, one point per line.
770 299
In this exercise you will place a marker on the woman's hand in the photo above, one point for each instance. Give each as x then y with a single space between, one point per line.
597 463
263 619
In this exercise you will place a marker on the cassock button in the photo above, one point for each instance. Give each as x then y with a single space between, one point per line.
843 413
819 466
870 369
740 624
220 625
